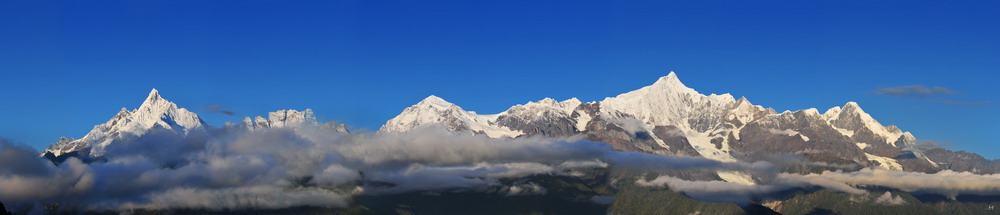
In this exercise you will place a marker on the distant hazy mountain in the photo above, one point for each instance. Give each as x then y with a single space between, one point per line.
669 118
290 119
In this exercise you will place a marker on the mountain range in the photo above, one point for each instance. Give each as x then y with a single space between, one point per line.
161 117
668 117
664 118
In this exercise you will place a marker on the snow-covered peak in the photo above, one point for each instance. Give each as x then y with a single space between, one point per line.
743 104
569 105
547 104
670 83
671 79
290 119
547 101
435 111
572 100
155 112
154 95
853 107
832 113
851 110
435 102
669 103
811 112
852 118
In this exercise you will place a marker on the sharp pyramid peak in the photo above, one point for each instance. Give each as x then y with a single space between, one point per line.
670 79
154 95
853 107
743 100
672 83
153 99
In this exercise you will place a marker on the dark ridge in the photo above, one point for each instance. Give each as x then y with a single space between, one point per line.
62 158
755 209
936 198
3 210
821 211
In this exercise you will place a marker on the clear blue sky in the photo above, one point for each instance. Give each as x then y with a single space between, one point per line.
69 65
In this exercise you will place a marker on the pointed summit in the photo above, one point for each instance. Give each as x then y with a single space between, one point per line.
670 79
154 113
742 100
154 95
853 118
153 100
853 106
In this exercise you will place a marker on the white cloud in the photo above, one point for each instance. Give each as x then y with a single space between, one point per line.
889 199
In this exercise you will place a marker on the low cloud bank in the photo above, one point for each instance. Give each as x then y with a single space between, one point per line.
232 168
947 183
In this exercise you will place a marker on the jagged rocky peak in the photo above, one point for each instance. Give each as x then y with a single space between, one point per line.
154 97
851 119
545 106
851 116
282 118
290 119
155 112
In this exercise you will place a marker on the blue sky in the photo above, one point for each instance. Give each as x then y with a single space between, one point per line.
69 65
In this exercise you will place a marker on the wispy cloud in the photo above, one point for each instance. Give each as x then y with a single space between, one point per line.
927 94
915 91
219 109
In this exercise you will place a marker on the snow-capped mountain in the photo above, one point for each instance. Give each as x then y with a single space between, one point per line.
668 117
436 111
290 119
154 113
